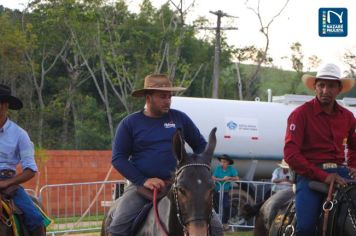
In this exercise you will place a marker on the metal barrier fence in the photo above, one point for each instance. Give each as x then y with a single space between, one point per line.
78 207
239 194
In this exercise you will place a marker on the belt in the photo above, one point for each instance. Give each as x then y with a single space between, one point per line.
330 165
7 173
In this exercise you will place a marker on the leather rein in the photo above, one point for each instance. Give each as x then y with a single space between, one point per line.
175 194
328 206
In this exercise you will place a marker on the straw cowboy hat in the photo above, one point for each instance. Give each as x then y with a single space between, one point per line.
226 157
328 71
5 96
283 164
156 82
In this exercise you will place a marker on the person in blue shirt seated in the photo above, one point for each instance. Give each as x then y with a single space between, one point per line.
223 175
142 150
17 148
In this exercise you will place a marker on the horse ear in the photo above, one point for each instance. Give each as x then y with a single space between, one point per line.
178 146
210 147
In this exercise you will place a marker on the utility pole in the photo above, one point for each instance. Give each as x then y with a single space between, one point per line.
216 72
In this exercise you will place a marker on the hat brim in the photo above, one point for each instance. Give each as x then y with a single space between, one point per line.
14 102
309 81
141 92
228 159
284 166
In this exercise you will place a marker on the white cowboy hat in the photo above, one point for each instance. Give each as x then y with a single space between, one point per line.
328 71
283 164
156 82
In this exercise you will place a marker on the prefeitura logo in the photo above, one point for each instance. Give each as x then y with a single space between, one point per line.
332 22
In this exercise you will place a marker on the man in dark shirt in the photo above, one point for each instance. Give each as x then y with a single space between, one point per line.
314 143
142 149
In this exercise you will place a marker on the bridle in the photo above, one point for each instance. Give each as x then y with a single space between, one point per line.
175 193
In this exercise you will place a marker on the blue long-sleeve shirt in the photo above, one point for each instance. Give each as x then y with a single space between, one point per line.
142 147
16 148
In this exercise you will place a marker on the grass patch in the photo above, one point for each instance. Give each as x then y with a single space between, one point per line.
239 233
75 219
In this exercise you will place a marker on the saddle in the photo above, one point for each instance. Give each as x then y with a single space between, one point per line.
6 197
147 194
285 221
8 209
10 214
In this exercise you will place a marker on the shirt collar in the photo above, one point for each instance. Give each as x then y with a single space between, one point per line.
317 108
6 126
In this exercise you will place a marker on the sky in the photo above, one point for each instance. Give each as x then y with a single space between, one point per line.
297 23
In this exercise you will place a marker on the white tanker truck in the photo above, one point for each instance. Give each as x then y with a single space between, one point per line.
251 132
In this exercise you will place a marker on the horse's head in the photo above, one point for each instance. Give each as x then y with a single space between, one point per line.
194 187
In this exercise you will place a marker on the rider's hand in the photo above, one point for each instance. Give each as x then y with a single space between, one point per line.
352 172
337 178
154 183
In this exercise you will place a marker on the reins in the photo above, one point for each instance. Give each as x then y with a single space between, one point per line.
158 220
328 206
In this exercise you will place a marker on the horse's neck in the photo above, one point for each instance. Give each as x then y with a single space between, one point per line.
168 215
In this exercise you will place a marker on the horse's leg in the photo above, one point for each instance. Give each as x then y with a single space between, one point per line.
103 226
260 227
108 219
216 226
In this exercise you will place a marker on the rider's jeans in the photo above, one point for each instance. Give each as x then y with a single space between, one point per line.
33 217
309 203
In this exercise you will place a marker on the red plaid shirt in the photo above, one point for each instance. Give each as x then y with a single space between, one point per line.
314 137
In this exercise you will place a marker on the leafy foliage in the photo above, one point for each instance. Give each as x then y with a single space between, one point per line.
75 63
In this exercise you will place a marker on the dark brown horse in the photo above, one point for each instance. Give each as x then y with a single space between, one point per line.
187 208
276 209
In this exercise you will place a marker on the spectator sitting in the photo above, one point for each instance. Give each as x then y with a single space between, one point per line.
281 177
222 174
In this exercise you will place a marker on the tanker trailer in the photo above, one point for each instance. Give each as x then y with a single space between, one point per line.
250 132
247 130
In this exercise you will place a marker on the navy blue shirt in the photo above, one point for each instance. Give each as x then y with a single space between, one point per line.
142 147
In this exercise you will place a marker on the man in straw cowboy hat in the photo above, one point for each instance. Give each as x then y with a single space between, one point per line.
281 177
142 149
315 134
17 148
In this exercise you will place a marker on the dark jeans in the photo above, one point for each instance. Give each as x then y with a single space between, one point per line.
225 205
308 203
